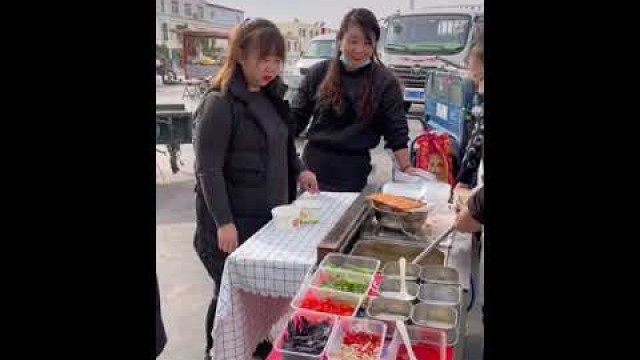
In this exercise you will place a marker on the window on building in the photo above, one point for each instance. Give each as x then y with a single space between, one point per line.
200 12
304 33
288 46
212 14
175 8
165 32
161 6
187 9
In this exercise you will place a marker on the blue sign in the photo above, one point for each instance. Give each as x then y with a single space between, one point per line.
448 97
414 95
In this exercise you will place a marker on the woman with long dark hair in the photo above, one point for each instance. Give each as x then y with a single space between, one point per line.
354 100
246 161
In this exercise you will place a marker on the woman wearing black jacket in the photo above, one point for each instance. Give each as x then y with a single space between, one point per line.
246 161
354 100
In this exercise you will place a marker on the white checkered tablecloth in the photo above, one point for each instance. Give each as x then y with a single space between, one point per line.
262 276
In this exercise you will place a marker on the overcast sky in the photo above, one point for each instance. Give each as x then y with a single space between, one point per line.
329 11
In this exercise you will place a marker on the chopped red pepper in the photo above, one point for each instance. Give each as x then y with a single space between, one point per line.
362 345
329 306
422 351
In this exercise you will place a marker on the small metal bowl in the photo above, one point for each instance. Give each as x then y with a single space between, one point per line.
391 270
441 317
396 220
389 310
440 294
440 275
422 233
415 220
390 289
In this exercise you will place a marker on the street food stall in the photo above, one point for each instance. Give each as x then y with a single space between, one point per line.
275 283
198 68
195 65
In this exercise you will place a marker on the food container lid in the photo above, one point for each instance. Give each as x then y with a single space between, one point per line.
285 210
309 203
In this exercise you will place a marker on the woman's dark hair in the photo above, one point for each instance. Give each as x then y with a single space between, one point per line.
258 35
330 87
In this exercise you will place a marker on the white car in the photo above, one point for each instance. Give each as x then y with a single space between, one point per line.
321 47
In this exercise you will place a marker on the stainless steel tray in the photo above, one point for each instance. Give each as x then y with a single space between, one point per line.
389 250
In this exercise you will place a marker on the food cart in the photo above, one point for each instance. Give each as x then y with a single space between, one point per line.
265 280
359 235
198 69
173 127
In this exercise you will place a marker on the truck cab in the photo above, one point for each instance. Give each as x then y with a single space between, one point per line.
418 41
320 48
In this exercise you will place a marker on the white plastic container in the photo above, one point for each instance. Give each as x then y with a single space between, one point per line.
360 264
314 318
341 298
322 277
433 339
309 210
437 193
286 217
346 325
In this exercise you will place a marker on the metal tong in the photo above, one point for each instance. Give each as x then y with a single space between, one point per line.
433 245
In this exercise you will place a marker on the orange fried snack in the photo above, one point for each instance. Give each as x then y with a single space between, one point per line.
396 202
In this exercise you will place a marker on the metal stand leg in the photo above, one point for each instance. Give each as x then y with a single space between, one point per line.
459 348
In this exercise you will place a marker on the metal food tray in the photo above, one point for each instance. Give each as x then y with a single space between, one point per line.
440 294
390 250
440 275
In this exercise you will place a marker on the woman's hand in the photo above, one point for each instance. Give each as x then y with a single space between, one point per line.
465 223
228 238
410 170
308 182
460 188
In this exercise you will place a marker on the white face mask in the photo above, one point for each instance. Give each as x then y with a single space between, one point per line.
345 61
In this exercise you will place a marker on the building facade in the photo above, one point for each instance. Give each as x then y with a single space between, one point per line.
172 15
298 35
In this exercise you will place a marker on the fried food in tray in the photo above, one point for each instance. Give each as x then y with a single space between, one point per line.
395 203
